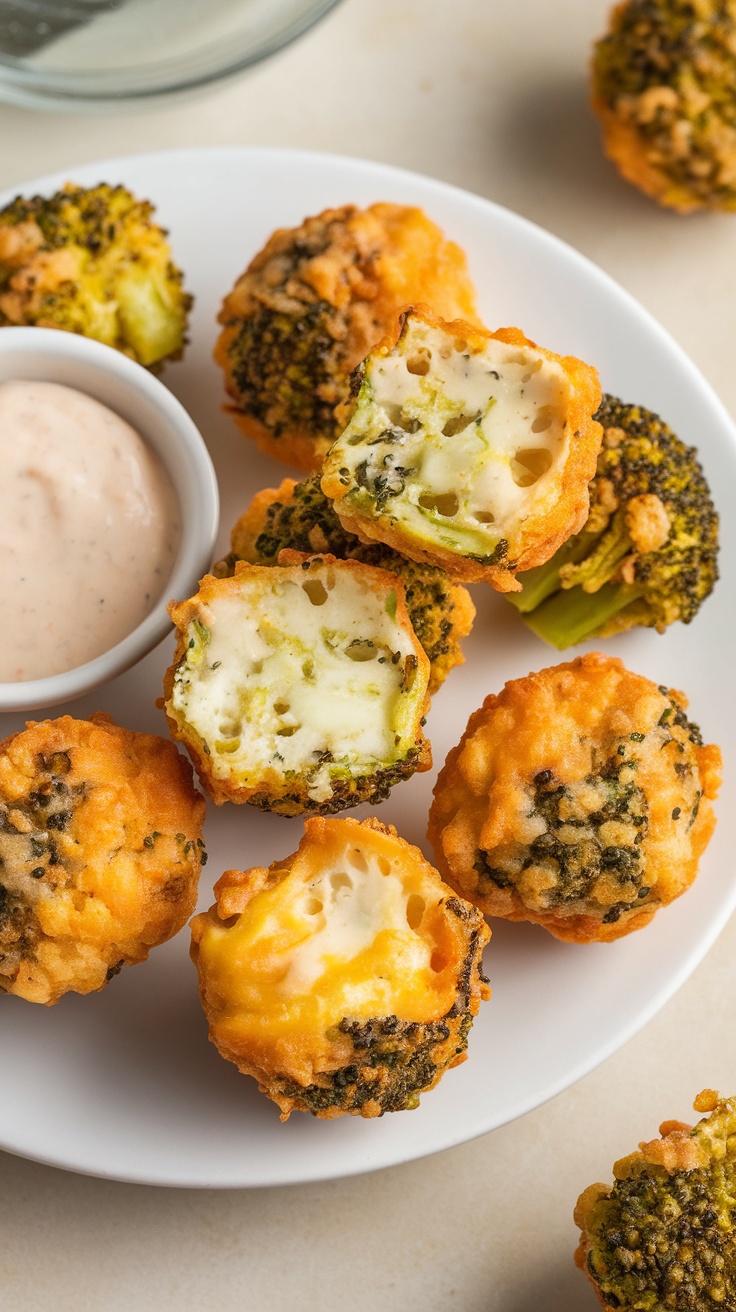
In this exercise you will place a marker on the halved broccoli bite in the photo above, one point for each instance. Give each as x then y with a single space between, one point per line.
648 552
663 1236
299 517
311 305
344 979
92 261
579 798
300 687
466 449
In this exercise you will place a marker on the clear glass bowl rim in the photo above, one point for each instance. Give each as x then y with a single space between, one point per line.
22 84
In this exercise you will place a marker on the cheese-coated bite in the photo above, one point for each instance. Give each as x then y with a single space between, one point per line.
467 449
662 1236
344 979
300 687
100 852
310 306
298 517
578 798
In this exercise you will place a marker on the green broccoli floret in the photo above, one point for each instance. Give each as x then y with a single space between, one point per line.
298 516
648 552
91 261
662 1237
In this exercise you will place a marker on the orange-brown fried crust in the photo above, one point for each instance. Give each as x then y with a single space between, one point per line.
539 532
345 978
310 306
578 798
297 515
101 847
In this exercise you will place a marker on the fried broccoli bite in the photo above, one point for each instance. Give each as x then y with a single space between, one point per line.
647 554
92 261
663 87
578 798
466 449
100 852
662 1236
344 979
311 305
299 687
298 516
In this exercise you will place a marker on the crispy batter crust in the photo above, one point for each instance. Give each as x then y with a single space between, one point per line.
539 535
101 844
661 1235
458 611
342 275
541 790
305 1054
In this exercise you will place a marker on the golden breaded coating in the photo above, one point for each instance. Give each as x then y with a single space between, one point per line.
91 260
662 1236
100 852
311 305
663 88
299 517
578 798
344 979
300 687
466 449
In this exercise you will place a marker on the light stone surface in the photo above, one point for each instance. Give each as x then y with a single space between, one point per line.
490 97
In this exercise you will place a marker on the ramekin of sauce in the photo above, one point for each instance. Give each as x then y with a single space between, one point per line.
108 509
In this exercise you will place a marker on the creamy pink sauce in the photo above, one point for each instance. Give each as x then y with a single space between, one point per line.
89 529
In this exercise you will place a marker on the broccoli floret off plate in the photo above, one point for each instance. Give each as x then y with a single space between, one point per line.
92 261
661 1238
299 517
345 979
648 553
663 88
301 687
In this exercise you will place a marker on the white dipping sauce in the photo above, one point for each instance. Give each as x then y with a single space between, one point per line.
89 529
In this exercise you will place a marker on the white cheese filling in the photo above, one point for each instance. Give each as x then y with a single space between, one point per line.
343 910
282 672
459 446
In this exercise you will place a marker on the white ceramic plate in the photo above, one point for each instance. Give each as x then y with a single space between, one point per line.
123 1083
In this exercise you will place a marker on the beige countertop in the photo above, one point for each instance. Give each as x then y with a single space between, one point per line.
492 98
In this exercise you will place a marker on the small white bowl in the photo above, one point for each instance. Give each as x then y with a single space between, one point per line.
136 395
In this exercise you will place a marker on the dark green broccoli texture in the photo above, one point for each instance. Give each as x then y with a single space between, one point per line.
92 261
648 552
662 1238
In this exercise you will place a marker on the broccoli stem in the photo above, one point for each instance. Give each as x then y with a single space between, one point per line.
573 615
540 583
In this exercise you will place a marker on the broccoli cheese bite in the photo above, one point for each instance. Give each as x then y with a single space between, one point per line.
578 798
311 305
344 979
92 261
648 552
100 852
663 88
300 687
466 449
299 517
662 1237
